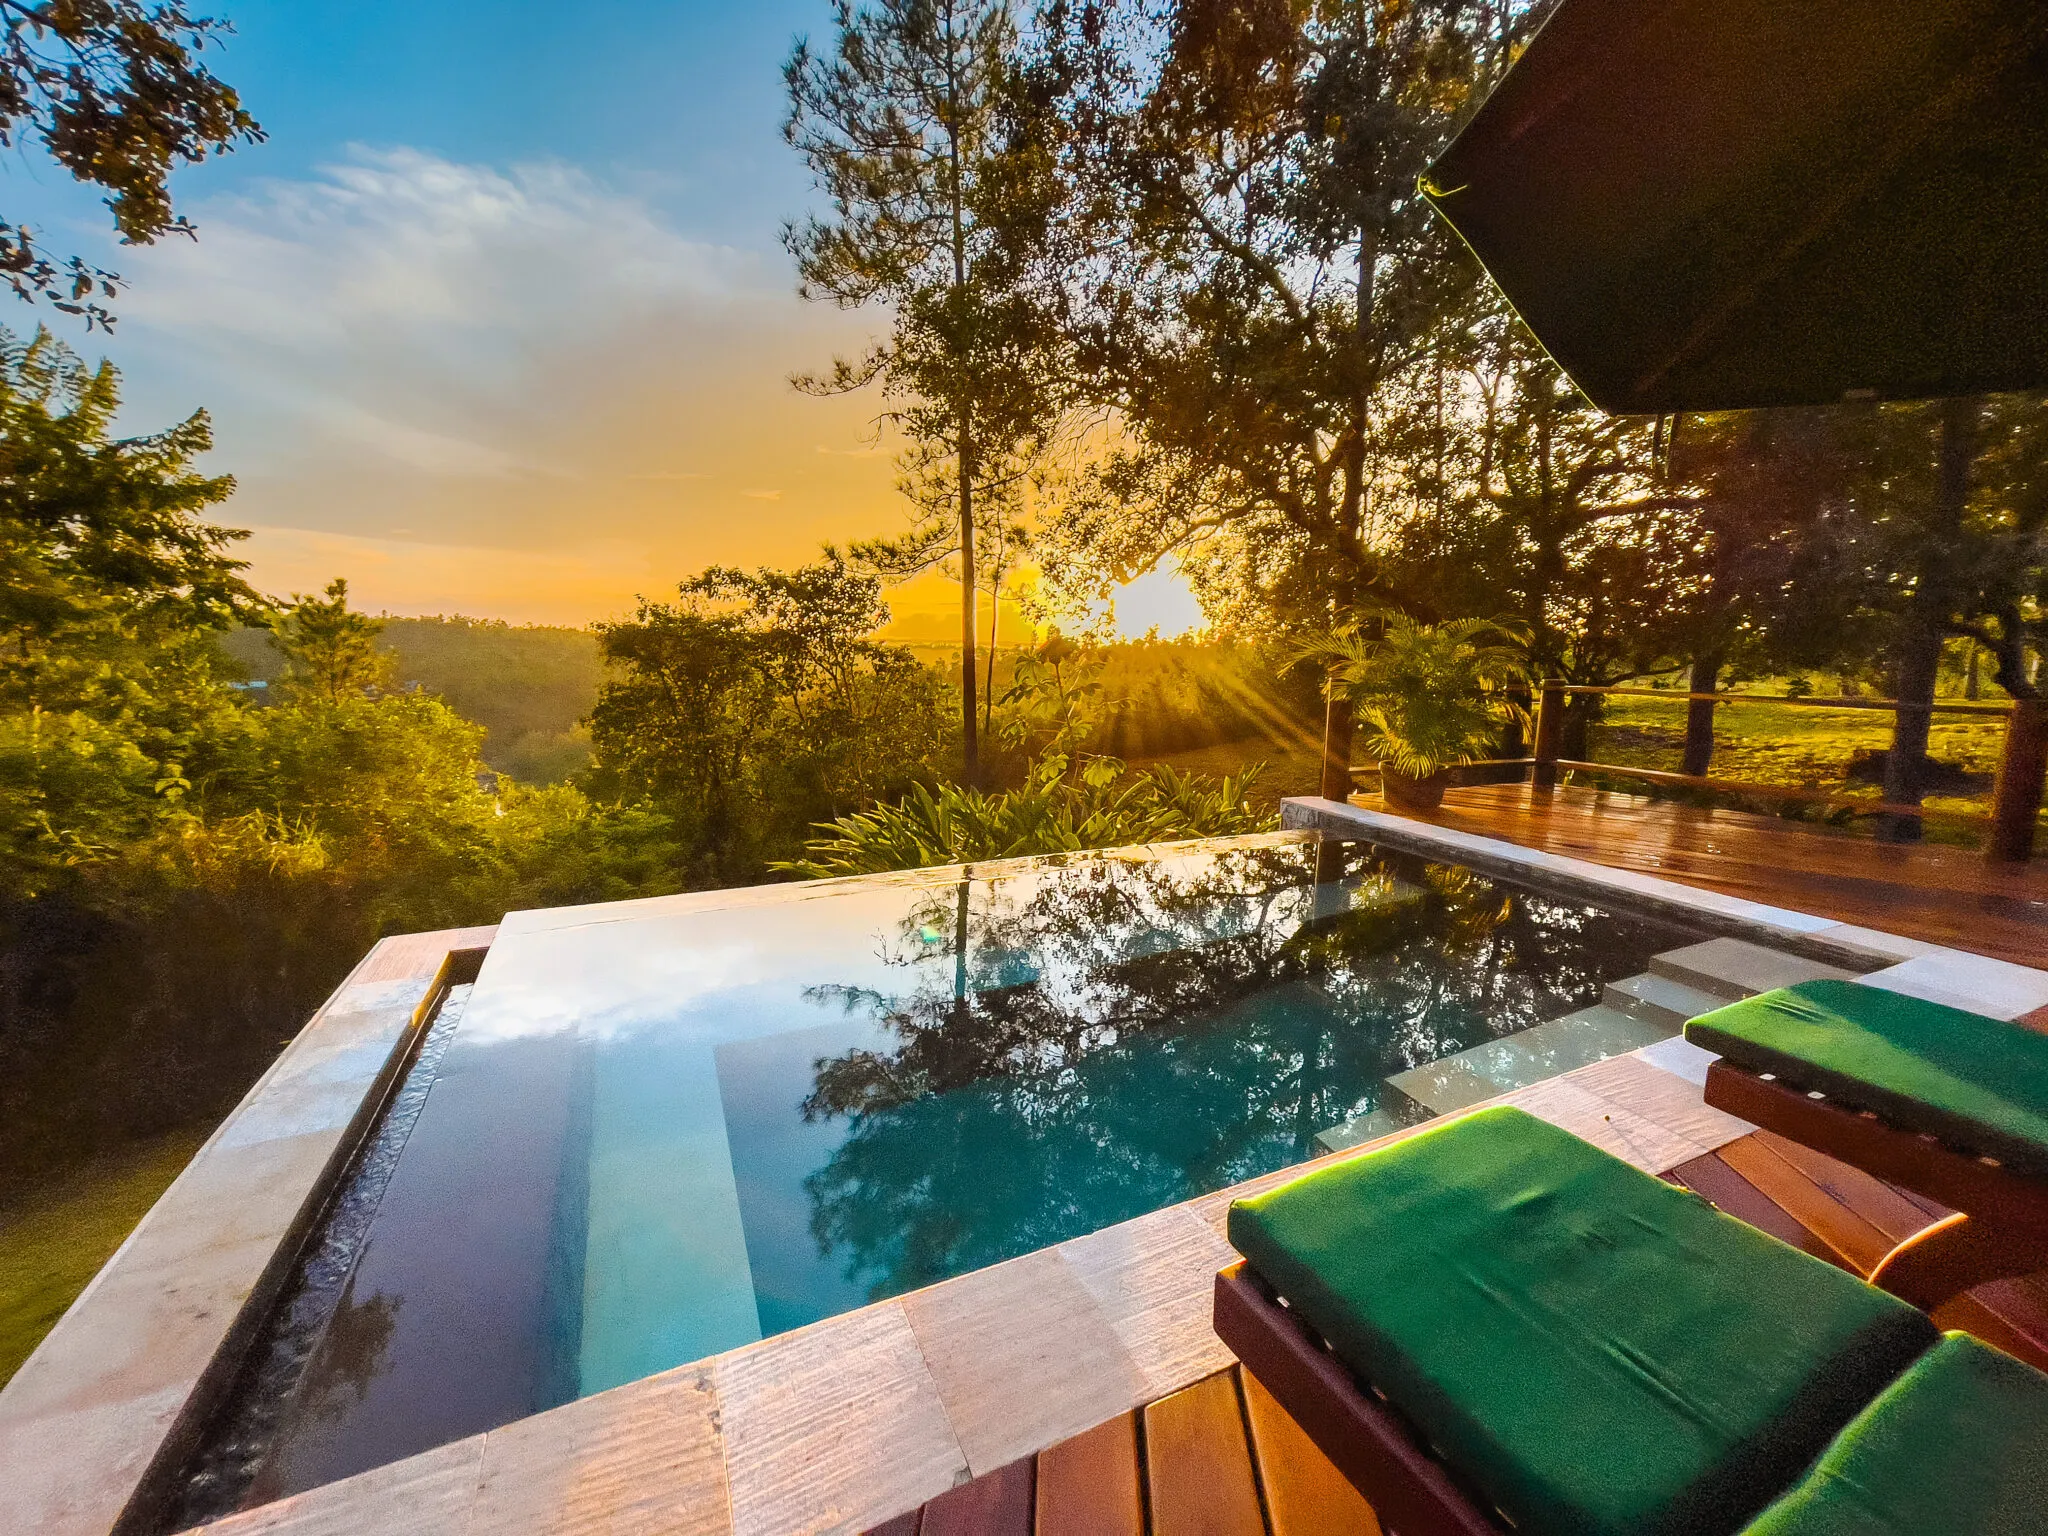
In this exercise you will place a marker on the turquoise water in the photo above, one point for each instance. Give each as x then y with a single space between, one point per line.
666 1128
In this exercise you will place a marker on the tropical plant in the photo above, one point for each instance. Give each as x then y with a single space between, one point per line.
1052 812
1427 696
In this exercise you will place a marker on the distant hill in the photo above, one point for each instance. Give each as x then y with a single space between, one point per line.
527 684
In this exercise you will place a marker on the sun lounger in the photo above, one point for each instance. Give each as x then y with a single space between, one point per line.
1493 1326
1948 1104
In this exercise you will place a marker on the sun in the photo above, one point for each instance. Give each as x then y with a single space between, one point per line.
1160 599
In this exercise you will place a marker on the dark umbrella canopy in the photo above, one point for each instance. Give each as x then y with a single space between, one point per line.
1720 204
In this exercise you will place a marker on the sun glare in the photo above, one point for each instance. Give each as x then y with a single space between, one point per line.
1160 599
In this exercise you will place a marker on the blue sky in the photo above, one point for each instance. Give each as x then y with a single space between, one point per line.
497 320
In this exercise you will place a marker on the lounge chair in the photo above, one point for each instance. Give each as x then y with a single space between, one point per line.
1493 1326
1948 1104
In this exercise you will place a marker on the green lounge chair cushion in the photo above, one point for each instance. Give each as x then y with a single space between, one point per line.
1592 1350
1959 1444
1977 1082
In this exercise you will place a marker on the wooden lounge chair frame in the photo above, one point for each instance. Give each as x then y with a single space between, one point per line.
1999 1226
1365 1437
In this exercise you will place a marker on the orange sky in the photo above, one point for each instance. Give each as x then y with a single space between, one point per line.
510 393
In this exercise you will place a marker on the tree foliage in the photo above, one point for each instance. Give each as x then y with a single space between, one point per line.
909 125
756 703
114 91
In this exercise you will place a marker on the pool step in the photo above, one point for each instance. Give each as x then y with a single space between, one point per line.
1660 1000
1515 1061
1732 969
1634 1012
1358 1130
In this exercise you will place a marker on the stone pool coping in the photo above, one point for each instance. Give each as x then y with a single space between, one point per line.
832 1427
109 1399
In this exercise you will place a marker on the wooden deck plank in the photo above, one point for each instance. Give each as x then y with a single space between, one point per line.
1855 1240
1938 894
1305 1494
1089 1485
1884 1207
998 1503
1729 1191
1198 1465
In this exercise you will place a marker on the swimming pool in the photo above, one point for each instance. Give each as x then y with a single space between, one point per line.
662 1129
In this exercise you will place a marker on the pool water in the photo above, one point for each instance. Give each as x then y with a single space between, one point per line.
662 1129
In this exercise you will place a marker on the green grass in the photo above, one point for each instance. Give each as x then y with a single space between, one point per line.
54 1241
1794 746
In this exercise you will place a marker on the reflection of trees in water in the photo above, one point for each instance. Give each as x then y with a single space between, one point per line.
1122 1035
352 1352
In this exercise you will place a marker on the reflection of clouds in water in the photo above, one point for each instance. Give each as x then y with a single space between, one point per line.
609 980
724 960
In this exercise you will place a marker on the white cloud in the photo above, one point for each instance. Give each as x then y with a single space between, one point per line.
512 360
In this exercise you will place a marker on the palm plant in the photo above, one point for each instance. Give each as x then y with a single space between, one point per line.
1427 696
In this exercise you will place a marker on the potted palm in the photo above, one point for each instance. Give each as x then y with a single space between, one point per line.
1427 697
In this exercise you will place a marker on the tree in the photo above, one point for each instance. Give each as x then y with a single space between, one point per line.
755 704
1954 502
934 212
331 651
115 93
1256 266
100 536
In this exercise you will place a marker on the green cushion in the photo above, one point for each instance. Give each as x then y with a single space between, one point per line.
1959 1444
1977 1082
1592 1350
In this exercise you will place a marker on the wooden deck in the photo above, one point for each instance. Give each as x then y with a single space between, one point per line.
1938 894
1219 1458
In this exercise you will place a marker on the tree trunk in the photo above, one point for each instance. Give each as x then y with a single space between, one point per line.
970 742
1579 717
1919 666
995 617
1699 715
1972 688
1336 778
1905 764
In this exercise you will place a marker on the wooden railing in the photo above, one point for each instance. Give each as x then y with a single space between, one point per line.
2016 795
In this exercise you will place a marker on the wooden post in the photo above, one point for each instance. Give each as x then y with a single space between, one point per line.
1549 732
2016 803
1336 783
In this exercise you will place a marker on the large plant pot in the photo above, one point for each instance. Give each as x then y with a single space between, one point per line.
1400 792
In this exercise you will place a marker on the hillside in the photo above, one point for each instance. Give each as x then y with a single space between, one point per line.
527 684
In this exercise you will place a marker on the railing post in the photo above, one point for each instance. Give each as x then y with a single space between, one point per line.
1336 781
1549 733
2016 803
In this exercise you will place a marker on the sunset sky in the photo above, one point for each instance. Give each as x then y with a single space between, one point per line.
497 322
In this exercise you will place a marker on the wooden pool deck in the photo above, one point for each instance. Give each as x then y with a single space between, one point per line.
1938 894
1220 1458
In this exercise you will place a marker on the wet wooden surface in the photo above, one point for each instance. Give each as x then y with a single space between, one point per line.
1939 894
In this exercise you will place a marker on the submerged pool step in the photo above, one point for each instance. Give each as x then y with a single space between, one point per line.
1515 1061
1358 1130
1732 969
1660 1000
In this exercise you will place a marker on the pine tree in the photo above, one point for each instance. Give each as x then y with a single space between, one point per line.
907 123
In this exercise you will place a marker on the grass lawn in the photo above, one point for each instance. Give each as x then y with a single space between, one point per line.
1792 745
55 1241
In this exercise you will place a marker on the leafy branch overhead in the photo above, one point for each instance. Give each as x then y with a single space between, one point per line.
116 93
